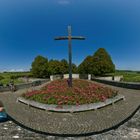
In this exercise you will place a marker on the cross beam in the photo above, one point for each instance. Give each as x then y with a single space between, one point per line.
70 38
66 38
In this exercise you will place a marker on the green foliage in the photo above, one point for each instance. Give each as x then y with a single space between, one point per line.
102 62
1 77
86 66
60 67
98 64
17 75
40 67
130 76
64 66
8 76
54 67
74 68
14 77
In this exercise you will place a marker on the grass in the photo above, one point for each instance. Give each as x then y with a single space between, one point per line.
129 76
8 76
82 92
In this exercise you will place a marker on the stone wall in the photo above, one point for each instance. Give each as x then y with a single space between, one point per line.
74 76
118 78
83 76
106 78
129 85
114 78
56 77
25 85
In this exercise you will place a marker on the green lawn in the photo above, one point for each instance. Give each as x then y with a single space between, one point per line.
5 78
129 76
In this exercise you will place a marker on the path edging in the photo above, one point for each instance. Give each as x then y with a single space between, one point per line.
71 108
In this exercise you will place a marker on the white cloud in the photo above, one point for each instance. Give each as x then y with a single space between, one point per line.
63 2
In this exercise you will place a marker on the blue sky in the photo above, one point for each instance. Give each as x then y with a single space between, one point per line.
28 28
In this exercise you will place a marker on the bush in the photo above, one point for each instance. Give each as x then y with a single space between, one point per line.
1 77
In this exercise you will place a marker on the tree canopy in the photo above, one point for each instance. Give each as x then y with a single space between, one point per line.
102 62
54 67
40 67
64 66
43 68
86 66
98 64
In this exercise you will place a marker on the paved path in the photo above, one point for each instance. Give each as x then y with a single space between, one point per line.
68 124
128 131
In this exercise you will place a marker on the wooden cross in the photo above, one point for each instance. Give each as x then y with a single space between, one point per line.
70 38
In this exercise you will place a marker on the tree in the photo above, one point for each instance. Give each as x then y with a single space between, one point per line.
1 77
74 68
54 67
64 66
60 67
40 67
86 66
98 64
102 62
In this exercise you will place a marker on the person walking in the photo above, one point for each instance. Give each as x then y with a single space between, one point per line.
12 86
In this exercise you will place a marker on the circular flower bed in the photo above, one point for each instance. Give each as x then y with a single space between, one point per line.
82 92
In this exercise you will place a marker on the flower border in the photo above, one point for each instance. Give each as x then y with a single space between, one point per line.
71 108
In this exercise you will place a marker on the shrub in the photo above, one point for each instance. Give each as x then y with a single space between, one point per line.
1 77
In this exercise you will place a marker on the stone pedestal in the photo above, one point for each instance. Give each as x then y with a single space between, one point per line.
89 76
51 78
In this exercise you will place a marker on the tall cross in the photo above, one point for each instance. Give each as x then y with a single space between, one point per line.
70 38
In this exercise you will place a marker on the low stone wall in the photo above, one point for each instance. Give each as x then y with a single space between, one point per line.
56 77
114 78
129 85
111 80
3 89
83 76
74 76
25 85
71 108
118 78
106 78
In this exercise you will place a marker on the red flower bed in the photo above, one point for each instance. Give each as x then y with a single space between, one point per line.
82 92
